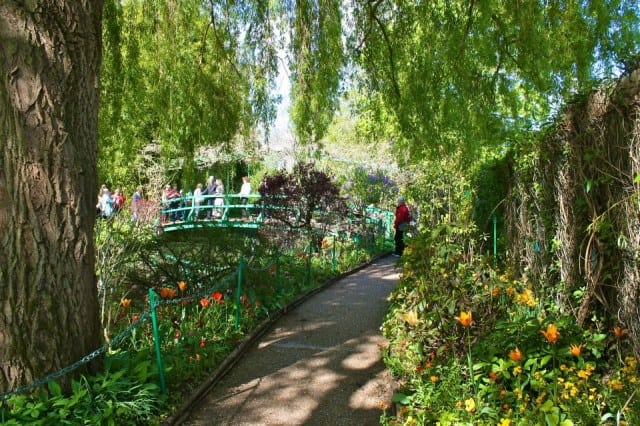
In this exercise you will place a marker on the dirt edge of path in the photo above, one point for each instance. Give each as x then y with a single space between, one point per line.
225 366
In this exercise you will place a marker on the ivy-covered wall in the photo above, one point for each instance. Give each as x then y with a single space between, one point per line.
572 208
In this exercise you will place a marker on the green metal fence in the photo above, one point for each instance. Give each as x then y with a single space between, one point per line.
331 252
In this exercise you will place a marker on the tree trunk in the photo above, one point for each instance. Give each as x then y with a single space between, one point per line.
49 63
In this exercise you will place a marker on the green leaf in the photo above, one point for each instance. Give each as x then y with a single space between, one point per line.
54 388
401 398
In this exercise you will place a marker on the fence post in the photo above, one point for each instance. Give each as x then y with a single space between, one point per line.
333 254
239 291
156 338
495 240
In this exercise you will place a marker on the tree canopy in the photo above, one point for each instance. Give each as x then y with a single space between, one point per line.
432 77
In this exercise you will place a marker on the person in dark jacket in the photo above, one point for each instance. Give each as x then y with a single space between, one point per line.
210 190
403 218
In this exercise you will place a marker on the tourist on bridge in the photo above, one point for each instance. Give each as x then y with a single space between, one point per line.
211 191
245 191
174 201
198 198
219 200
403 218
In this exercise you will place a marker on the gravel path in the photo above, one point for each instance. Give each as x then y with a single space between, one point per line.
317 365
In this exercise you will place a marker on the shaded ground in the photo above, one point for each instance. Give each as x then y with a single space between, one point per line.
317 365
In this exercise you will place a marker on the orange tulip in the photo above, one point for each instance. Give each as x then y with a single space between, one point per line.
217 297
125 303
620 332
465 318
167 293
515 355
551 333
204 302
575 350
182 285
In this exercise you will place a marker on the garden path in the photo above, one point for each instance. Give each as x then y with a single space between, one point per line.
319 364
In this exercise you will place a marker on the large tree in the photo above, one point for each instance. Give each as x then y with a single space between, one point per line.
49 68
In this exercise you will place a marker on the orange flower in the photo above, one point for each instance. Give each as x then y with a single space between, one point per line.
217 297
515 354
125 303
465 318
182 285
620 332
575 350
167 293
495 292
135 318
433 379
204 302
272 269
551 333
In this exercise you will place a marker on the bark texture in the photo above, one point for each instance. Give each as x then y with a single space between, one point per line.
49 72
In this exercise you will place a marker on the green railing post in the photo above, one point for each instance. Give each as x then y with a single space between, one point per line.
156 337
239 291
333 255
495 240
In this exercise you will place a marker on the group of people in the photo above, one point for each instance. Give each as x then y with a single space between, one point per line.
109 204
177 206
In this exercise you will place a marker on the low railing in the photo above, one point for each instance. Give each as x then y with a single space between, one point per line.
333 248
190 208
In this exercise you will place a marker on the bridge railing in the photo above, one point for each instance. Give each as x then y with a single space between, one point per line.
190 208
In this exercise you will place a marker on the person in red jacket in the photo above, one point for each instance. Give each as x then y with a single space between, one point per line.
403 218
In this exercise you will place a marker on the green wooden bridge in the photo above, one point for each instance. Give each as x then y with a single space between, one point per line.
228 211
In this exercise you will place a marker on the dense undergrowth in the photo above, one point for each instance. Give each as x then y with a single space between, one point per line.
202 315
471 344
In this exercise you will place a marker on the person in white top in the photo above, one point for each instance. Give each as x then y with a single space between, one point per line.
245 191
198 198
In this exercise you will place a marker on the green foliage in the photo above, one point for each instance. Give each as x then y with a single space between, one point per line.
462 75
181 75
125 394
316 66
517 374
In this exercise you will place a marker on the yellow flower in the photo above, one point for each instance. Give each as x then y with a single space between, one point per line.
517 370
575 350
505 422
470 405
125 303
551 333
433 379
411 317
515 354
182 285
465 318
616 385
